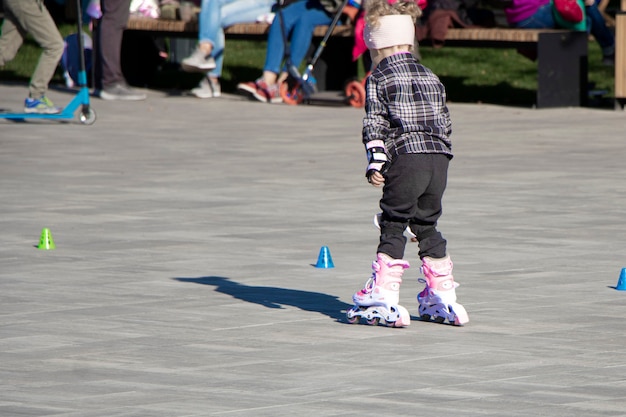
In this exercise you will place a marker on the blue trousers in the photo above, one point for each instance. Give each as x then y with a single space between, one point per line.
300 20
215 15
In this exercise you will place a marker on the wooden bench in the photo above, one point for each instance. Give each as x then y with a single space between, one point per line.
561 59
561 54
334 67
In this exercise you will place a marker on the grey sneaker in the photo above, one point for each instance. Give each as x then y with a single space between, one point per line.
208 88
120 92
198 62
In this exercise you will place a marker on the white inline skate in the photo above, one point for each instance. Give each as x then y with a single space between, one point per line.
379 299
437 301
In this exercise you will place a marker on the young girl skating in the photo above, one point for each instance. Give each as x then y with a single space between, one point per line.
406 132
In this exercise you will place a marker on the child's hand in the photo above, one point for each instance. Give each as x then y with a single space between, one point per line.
376 179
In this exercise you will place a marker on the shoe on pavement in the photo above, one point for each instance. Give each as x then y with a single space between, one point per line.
261 91
120 92
208 88
41 105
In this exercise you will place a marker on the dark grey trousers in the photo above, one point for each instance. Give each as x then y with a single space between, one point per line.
109 32
414 186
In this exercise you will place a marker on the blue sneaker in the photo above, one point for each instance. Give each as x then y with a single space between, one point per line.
42 105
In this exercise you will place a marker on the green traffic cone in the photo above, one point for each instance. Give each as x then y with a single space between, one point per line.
45 241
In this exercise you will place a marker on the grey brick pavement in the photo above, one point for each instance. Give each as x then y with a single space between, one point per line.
182 283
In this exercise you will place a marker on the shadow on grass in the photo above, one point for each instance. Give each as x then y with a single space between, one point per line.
276 298
502 93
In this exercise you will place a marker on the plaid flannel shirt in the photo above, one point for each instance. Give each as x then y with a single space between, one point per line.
406 108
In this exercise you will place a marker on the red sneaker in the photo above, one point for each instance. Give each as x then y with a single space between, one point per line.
261 91
569 10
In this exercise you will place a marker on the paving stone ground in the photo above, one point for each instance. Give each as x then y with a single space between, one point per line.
183 280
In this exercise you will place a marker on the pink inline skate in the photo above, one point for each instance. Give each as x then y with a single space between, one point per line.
437 301
379 299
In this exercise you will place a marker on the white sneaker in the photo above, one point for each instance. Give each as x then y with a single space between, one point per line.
198 62
208 88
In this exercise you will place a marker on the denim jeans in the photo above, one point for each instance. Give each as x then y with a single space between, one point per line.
596 25
300 20
215 15
544 18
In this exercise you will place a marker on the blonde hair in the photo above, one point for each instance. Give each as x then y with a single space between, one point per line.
375 9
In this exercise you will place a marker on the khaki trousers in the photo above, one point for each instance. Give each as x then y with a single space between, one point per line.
31 16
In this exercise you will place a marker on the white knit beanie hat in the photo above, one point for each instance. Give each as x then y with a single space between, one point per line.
395 29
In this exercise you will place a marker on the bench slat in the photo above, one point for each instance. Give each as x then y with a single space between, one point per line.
178 26
252 29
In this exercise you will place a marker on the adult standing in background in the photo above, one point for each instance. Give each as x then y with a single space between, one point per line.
110 82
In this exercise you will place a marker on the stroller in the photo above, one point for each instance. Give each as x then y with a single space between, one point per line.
301 88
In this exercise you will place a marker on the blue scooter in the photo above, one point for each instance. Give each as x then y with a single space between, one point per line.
87 115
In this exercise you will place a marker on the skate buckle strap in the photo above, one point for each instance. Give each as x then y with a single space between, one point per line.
369 285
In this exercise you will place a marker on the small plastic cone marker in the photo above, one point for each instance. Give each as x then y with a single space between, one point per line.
324 260
45 241
621 283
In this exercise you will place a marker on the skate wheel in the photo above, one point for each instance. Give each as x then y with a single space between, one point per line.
352 320
440 320
355 94
373 322
425 317
291 93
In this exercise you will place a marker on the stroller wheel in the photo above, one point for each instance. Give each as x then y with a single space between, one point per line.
292 95
355 94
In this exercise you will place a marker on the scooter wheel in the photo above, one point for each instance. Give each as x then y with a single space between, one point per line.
87 118
291 95
355 94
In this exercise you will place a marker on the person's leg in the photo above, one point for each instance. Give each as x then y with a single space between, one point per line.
266 88
275 53
110 81
414 186
201 60
599 30
303 30
209 21
11 39
42 28
114 17
233 12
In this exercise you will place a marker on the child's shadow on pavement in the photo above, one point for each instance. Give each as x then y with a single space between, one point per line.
273 297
